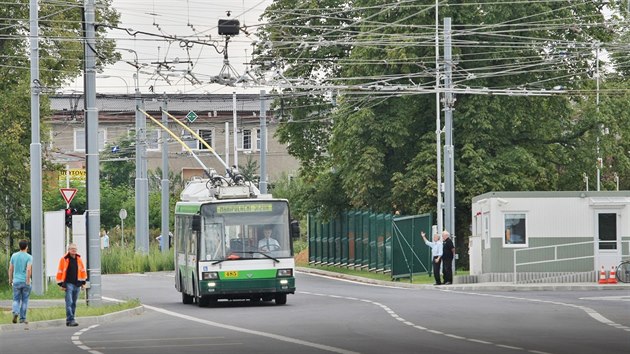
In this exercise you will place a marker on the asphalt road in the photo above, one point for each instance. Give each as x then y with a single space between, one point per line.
330 315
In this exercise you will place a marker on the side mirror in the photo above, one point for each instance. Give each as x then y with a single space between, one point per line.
295 229
196 223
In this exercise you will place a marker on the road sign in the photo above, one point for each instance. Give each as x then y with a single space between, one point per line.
191 116
123 214
68 194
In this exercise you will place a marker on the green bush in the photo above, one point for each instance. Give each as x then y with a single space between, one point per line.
4 269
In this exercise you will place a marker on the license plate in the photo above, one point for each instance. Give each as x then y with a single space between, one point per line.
231 274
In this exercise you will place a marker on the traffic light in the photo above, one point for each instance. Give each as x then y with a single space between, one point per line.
69 217
69 213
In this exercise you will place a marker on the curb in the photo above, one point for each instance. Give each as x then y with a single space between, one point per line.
473 286
84 321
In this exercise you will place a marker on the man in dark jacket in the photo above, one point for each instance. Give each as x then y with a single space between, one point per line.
448 253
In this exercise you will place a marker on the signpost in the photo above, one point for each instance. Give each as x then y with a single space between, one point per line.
123 215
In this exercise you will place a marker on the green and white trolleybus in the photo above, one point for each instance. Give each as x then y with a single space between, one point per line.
221 251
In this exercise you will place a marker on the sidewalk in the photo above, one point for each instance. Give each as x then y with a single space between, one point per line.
488 286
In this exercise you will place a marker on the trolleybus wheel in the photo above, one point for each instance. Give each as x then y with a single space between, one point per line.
187 299
281 299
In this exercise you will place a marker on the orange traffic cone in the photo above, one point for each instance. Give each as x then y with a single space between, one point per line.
602 276
612 279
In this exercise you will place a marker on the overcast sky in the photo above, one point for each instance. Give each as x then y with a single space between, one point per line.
181 18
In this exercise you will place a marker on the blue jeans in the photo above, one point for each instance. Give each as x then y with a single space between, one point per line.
21 292
72 294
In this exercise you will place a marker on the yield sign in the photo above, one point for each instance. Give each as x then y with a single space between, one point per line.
68 194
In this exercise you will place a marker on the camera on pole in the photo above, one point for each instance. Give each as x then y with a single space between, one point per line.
229 27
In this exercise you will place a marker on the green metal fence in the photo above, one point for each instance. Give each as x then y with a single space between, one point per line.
371 241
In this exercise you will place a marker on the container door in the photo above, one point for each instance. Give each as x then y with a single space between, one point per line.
607 245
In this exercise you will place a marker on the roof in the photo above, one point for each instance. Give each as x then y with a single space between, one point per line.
153 102
551 194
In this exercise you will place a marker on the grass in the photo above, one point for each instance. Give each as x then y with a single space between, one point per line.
419 278
59 312
53 291
122 260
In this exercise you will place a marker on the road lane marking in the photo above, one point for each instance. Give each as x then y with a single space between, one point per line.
153 339
509 347
251 331
395 316
245 330
589 311
352 281
205 345
607 298
76 340
478 341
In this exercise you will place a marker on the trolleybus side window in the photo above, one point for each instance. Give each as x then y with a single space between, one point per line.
213 243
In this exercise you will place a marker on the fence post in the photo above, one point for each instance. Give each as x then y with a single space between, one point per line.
514 279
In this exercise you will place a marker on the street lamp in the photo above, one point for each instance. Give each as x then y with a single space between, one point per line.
115 76
136 65
141 181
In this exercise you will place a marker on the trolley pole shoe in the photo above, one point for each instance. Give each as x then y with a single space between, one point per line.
612 279
602 276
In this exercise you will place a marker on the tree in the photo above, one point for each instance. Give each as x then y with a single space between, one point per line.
61 54
118 162
305 43
250 170
380 143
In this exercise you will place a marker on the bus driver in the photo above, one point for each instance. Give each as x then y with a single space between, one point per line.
267 243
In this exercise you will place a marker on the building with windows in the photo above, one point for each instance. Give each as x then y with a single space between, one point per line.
518 233
213 122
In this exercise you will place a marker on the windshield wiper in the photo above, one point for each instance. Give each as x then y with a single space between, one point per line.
264 254
229 258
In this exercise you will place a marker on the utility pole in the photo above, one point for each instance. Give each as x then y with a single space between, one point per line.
227 143
92 159
165 242
263 144
37 243
235 129
449 153
599 158
141 182
438 124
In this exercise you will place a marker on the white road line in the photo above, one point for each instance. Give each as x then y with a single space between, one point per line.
607 298
478 341
395 316
353 281
250 331
509 347
589 311
76 340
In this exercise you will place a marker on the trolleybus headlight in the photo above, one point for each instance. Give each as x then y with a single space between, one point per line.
209 275
284 282
285 272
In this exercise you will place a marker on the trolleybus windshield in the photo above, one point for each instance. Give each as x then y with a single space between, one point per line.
245 230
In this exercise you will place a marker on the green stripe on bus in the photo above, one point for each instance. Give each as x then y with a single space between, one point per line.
247 274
